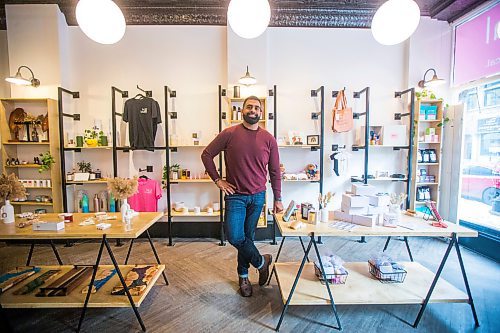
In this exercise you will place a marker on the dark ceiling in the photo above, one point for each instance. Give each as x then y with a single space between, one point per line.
285 13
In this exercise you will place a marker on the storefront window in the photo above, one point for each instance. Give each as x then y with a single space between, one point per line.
480 179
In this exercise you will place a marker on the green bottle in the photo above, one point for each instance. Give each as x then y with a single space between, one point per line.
85 203
112 204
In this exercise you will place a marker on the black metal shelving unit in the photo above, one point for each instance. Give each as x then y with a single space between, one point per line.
63 149
320 147
126 149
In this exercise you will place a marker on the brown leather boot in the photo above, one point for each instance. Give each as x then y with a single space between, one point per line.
264 271
245 287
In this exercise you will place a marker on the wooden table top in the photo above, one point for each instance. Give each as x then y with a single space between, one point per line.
409 226
73 230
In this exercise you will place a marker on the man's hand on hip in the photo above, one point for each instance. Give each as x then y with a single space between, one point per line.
228 188
278 207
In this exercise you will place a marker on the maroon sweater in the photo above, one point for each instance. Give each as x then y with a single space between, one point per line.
247 154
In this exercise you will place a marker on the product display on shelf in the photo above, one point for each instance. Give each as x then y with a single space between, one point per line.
137 280
102 276
29 146
68 282
15 276
37 282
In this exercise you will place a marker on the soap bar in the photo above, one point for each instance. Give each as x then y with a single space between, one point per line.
48 226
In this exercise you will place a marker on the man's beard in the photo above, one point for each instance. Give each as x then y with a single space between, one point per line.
251 120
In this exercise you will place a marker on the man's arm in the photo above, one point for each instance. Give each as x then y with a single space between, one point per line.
275 175
212 150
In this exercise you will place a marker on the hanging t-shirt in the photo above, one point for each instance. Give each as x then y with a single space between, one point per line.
147 196
143 116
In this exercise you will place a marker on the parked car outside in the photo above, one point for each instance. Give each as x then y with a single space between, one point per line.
481 183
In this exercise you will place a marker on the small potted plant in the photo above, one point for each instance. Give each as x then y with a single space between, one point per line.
10 188
46 160
91 137
84 166
174 171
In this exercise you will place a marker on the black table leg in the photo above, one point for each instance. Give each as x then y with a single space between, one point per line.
466 281
30 254
156 256
386 243
276 260
91 285
303 247
434 282
129 250
408 248
274 232
222 236
332 302
4 322
319 240
362 240
122 280
170 241
294 285
56 253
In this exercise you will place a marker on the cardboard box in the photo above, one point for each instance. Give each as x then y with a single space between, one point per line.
341 216
366 220
354 210
48 226
363 189
394 135
352 200
379 200
376 210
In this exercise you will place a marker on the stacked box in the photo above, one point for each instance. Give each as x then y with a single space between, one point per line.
363 189
368 220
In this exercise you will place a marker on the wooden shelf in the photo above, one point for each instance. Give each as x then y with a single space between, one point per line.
191 214
30 203
299 146
418 184
191 181
99 181
428 143
427 163
78 148
44 143
23 166
390 179
188 146
38 187
300 181
362 288
76 299
429 121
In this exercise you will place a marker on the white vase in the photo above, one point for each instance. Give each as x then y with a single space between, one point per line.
393 217
7 212
124 208
324 215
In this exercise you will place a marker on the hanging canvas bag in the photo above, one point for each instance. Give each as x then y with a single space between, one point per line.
342 114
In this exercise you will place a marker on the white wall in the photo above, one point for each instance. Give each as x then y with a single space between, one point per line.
4 65
194 60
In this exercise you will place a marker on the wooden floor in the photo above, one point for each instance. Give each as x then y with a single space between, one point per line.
202 295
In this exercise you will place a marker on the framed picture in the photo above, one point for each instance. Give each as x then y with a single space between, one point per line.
313 140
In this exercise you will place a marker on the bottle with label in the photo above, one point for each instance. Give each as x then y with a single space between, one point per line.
98 174
234 113
85 203
112 204
96 203
239 114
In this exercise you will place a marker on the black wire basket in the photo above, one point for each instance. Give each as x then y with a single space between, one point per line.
332 278
394 277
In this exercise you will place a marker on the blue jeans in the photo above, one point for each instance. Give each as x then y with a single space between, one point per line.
241 216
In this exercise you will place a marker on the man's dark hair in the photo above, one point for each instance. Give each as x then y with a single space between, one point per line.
255 98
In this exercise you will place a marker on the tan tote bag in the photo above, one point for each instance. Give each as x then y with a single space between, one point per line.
342 114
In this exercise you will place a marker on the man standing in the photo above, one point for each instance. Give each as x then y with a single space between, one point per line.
249 151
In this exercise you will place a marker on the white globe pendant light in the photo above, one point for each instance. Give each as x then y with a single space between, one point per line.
395 21
101 20
249 18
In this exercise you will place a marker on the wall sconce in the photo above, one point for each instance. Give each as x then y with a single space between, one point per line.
247 80
435 81
20 80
